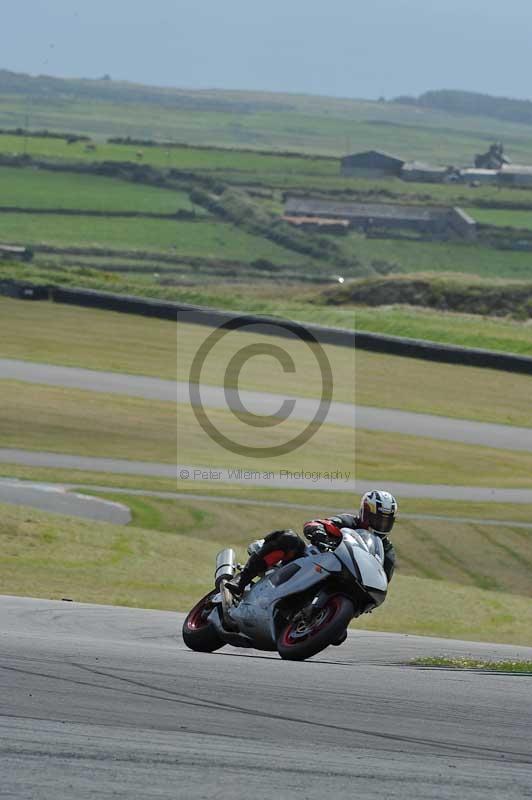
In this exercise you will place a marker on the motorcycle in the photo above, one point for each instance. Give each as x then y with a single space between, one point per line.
297 609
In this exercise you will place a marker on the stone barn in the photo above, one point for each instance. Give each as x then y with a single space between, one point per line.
371 164
425 173
476 175
437 221
515 175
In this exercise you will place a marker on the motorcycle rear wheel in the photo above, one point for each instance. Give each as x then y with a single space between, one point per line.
198 633
297 642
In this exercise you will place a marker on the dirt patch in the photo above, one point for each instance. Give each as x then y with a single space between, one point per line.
488 298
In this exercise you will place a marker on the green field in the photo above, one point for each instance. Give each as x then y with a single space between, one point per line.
413 256
502 219
32 188
226 161
390 190
233 167
242 253
208 239
243 168
426 607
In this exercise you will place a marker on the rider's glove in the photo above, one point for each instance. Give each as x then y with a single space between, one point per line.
316 534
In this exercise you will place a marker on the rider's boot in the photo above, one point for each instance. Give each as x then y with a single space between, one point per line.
236 587
254 567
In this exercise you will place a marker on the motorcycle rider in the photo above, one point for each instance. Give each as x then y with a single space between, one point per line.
377 515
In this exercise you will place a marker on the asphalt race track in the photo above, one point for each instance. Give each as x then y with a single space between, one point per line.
389 420
101 702
59 500
194 472
218 499
363 417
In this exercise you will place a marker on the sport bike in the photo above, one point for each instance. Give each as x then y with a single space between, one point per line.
297 609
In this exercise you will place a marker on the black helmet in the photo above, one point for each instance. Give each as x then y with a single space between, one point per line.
378 510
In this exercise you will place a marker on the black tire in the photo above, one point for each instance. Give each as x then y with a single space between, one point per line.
328 626
198 633
341 640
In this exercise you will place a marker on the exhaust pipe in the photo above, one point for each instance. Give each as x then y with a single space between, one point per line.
225 566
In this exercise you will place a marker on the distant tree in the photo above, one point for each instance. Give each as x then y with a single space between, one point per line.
473 103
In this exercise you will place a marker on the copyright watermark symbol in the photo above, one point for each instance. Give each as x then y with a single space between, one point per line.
285 408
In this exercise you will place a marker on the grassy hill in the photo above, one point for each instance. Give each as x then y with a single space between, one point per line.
200 221
484 105
301 123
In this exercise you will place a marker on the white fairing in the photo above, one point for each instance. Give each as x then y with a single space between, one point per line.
373 575
369 557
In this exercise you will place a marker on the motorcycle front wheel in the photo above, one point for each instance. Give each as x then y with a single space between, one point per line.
305 639
198 633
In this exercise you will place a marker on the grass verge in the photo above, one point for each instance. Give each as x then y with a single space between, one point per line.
291 299
70 336
518 667
323 501
444 389
109 426
468 554
255 494
465 330
426 607
91 424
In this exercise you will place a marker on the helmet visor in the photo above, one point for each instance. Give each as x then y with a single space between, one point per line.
381 521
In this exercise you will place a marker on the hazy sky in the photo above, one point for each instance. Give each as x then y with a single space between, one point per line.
336 47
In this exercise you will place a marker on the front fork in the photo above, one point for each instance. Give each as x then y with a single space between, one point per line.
306 613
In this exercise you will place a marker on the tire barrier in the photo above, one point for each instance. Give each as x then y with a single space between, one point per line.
213 317
24 291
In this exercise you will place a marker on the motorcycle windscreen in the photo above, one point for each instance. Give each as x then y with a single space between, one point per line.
373 543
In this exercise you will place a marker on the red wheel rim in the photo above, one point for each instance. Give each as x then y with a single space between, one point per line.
196 619
291 636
